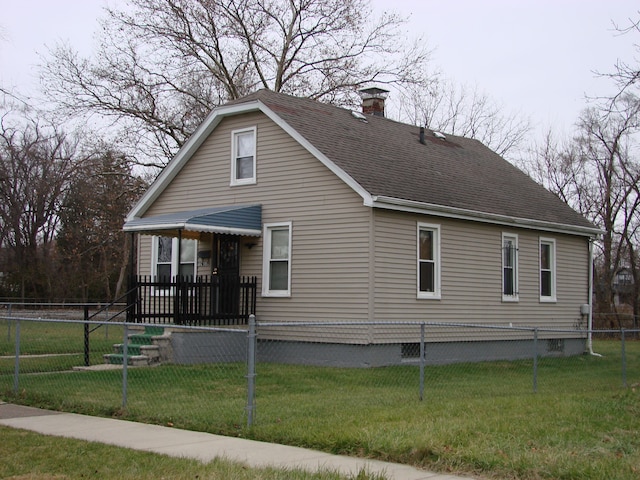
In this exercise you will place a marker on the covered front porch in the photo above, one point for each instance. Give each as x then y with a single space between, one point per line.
194 300
195 268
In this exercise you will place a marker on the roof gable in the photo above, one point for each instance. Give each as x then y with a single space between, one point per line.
387 165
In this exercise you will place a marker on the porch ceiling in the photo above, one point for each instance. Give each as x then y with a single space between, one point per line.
234 220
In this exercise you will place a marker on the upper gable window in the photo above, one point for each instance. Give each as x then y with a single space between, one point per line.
243 156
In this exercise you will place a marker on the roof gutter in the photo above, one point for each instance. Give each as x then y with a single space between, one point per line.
153 229
391 203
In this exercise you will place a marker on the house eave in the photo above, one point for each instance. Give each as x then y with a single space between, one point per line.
399 204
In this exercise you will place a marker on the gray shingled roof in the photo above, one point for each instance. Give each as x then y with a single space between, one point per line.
387 159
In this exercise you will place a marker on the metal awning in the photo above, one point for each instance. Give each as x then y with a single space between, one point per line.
234 220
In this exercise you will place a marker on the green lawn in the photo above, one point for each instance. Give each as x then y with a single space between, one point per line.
54 346
39 338
481 419
27 455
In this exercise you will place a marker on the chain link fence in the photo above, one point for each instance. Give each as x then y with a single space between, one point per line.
224 379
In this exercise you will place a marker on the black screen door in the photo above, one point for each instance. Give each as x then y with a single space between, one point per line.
226 267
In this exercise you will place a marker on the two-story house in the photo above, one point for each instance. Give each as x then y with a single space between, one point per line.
348 216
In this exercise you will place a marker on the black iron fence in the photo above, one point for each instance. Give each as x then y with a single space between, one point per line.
194 300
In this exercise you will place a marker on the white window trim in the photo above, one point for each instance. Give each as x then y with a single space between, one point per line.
552 242
266 258
175 262
435 228
154 255
516 268
243 181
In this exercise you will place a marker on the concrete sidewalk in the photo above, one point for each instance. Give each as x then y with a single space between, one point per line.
202 446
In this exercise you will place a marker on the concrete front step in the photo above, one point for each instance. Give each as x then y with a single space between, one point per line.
132 360
143 348
141 338
151 351
154 330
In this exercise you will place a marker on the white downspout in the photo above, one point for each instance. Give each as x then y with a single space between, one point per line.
590 300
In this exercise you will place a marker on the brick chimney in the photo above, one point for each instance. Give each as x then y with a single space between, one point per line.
373 101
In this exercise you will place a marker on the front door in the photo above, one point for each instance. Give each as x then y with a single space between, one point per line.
226 267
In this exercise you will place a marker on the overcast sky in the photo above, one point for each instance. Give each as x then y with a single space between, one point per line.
535 57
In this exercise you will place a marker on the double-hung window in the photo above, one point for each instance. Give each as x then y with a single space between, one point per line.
509 267
163 258
428 260
243 156
166 263
276 269
547 270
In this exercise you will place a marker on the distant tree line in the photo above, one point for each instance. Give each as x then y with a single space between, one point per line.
64 201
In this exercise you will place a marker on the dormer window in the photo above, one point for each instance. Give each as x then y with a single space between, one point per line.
243 156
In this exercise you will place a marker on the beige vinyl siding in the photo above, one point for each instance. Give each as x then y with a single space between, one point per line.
471 276
143 266
329 258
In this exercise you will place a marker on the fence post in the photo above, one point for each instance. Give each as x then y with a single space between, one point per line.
86 335
9 325
624 359
106 319
535 360
251 369
131 297
422 359
16 365
125 364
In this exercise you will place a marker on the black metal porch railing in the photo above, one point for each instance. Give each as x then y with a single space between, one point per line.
199 300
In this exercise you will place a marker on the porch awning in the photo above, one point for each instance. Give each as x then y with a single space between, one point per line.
234 219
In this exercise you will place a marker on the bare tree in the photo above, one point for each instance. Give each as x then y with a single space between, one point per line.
36 164
91 245
632 243
626 75
163 64
561 168
459 110
598 173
